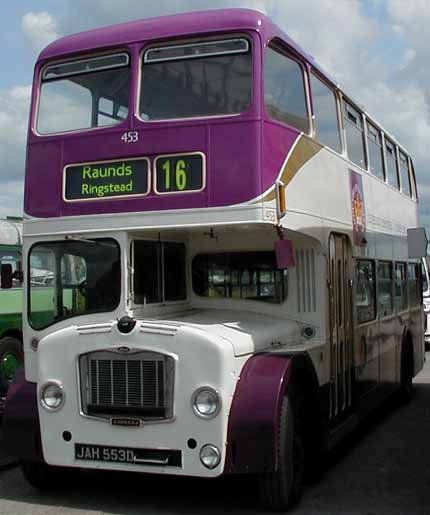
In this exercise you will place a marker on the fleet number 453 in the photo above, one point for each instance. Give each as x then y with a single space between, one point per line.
130 137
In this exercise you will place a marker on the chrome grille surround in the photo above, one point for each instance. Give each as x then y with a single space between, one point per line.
134 384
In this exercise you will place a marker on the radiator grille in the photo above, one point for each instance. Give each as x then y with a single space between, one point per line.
135 385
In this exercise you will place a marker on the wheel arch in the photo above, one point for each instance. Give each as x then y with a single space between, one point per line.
256 405
20 425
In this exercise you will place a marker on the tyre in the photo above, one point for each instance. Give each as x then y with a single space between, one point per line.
46 477
406 373
11 358
281 489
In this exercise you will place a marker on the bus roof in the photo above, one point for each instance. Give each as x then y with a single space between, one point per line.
167 27
186 24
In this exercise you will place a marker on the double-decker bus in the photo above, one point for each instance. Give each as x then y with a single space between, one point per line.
223 233
11 352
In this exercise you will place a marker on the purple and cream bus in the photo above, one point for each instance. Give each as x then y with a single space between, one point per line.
223 231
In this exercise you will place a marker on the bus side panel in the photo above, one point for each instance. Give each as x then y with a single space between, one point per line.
254 414
21 429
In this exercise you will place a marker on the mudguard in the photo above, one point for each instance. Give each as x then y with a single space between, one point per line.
254 414
21 429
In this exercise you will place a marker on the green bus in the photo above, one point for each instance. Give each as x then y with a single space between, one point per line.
11 351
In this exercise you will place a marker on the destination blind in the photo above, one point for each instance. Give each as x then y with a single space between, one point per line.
104 180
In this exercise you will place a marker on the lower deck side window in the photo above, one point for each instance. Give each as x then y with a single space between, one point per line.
401 287
414 286
385 289
365 296
239 275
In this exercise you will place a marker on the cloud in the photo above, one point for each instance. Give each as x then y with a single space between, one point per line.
336 33
14 108
83 14
40 28
11 198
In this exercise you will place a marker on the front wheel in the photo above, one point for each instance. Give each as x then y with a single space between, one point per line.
47 477
281 489
11 358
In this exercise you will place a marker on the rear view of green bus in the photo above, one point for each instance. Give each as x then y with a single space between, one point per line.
11 353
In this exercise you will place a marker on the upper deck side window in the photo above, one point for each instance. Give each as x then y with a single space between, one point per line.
404 174
354 131
193 80
326 115
376 151
391 160
84 94
285 90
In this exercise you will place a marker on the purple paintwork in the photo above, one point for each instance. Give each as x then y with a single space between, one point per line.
243 160
21 429
284 254
254 414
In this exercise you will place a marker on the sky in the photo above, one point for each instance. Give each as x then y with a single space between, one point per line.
377 50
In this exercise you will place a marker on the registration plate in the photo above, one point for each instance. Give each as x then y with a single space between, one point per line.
104 453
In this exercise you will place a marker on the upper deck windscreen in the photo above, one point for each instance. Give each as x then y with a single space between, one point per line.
208 78
84 94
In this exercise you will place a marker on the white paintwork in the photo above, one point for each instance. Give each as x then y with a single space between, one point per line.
202 358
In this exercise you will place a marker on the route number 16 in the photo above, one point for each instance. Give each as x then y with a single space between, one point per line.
130 137
180 175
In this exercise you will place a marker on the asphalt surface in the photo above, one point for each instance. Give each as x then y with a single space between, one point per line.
382 469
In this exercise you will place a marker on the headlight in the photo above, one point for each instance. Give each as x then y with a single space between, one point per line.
210 456
52 396
206 402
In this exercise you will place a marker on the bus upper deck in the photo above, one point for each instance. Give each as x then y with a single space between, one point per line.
163 117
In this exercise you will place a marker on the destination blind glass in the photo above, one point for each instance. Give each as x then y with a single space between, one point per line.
104 180
178 173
